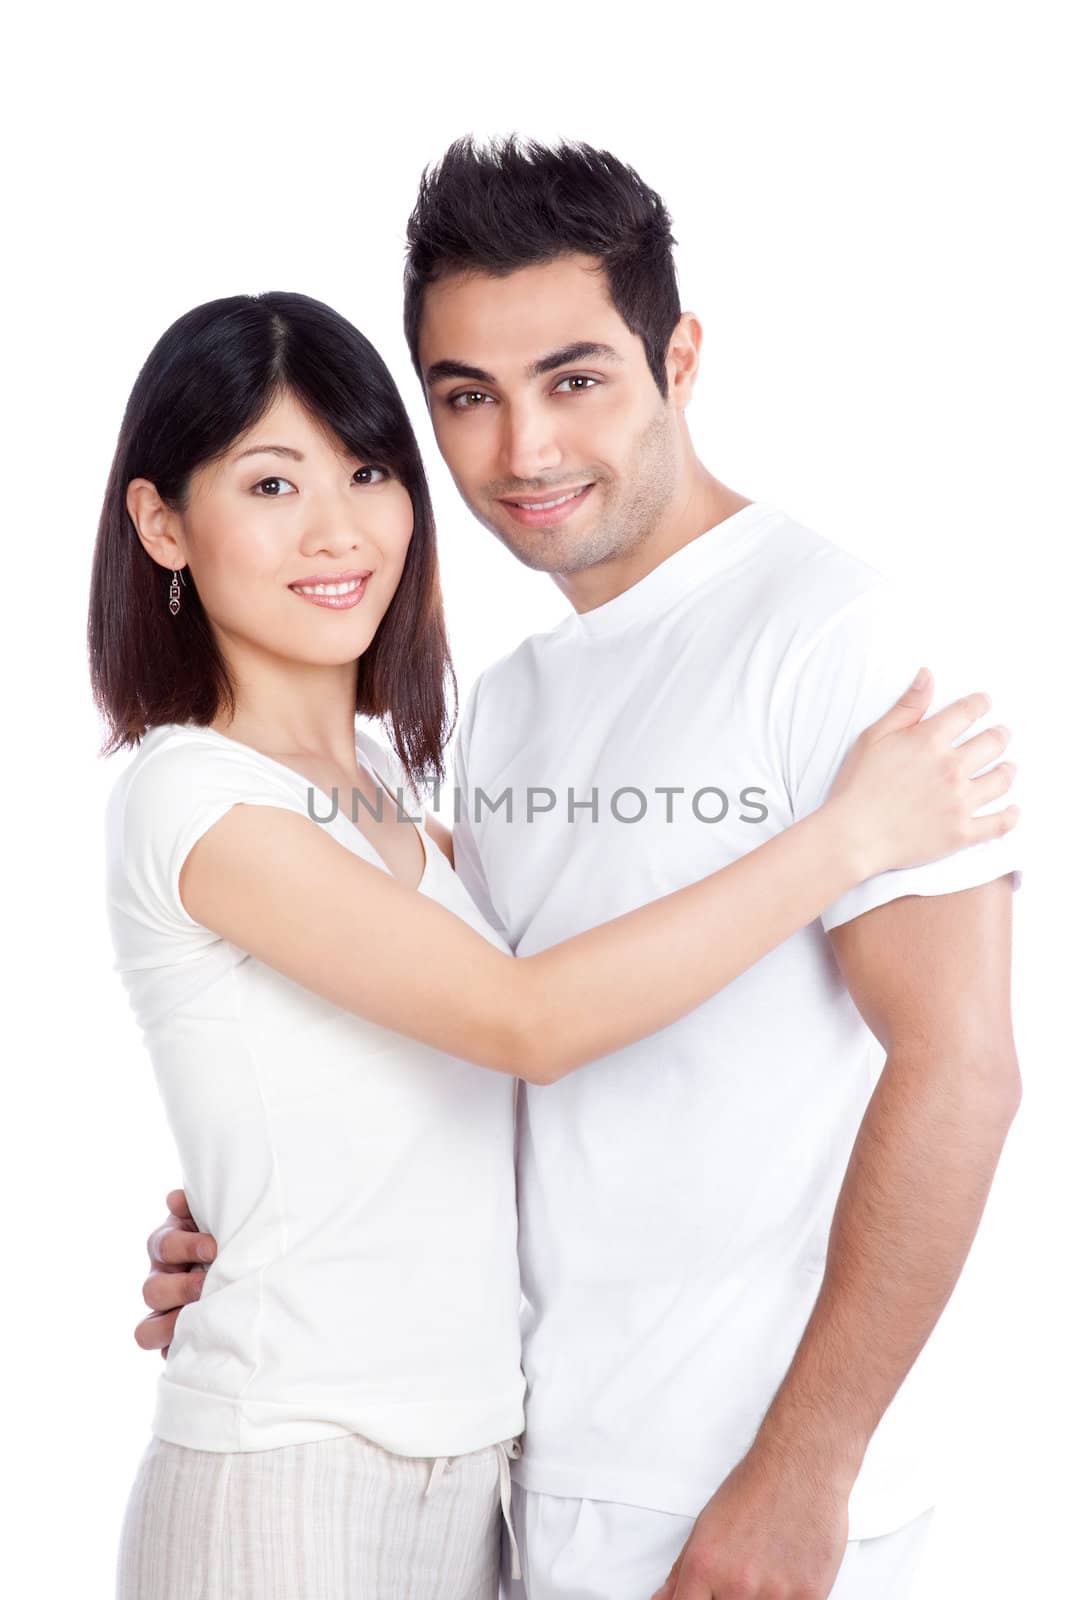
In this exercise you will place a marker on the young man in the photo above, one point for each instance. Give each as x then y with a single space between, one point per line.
736 1235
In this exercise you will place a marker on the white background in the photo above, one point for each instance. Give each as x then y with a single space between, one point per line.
866 201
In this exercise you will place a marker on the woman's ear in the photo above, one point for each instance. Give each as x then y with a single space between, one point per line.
154 520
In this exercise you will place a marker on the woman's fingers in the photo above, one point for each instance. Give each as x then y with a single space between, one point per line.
958 715
992 826
980 750
991 785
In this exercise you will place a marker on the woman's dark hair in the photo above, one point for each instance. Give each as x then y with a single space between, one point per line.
211 376
516 203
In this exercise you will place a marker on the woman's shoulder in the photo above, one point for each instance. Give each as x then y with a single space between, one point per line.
182 779
180 769
170 761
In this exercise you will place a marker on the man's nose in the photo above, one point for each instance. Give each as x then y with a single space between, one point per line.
529 444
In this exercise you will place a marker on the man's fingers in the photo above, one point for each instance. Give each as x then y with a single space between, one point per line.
169 1291
156 1332
178 1205
174 1246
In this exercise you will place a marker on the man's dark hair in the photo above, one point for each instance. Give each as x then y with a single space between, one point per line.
516 203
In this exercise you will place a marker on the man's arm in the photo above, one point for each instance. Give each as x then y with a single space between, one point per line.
930 974
931 977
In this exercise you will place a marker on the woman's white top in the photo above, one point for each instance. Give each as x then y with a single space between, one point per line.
360 1185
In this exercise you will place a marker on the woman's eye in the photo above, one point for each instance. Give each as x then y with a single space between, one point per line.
271 490
463 402
580 378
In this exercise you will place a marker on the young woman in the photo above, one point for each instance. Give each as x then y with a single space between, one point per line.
334 1027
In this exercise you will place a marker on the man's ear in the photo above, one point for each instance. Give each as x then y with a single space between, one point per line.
683 359
154 521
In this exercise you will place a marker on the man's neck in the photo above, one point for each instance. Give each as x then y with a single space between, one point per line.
704 502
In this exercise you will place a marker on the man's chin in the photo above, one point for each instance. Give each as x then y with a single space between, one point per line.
544 553
548 549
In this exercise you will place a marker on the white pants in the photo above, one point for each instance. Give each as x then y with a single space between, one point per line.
596 1550
339 1519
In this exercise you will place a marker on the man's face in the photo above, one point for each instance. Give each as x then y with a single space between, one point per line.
539 392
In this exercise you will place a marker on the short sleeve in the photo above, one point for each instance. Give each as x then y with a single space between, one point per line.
469 866
860 662
164 804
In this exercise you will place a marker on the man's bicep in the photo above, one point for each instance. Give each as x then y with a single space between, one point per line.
932 973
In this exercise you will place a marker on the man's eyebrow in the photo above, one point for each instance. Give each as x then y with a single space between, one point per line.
581 350
455 369
270 449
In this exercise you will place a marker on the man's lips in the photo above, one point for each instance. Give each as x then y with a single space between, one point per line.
539 511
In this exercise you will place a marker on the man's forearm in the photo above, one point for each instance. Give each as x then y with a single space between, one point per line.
907 1214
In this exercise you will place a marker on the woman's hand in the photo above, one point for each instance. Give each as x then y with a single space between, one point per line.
905 794
179 1255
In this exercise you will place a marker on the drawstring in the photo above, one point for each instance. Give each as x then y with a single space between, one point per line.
506 1452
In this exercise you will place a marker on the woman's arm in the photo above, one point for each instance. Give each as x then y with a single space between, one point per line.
275 884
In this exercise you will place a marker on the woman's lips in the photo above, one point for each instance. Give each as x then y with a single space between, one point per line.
546 518
352 595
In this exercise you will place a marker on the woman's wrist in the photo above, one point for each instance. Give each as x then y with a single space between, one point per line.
850 847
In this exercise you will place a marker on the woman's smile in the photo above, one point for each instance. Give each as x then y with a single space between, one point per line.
338 594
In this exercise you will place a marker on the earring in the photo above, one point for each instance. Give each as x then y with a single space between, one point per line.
175 592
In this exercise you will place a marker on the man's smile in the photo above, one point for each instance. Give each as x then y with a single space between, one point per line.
539 511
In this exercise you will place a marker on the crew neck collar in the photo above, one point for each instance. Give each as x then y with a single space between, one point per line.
676 574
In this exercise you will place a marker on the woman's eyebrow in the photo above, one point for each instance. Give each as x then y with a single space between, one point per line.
270 449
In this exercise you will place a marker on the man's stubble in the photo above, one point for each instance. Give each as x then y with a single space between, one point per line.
634 504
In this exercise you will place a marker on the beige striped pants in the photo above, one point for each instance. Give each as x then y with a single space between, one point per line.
338 1519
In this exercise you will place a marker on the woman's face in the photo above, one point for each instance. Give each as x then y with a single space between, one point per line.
285 507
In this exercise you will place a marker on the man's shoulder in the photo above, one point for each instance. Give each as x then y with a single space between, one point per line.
797 584
818 574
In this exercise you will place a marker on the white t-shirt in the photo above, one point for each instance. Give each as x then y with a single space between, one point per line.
675 1198
360 1185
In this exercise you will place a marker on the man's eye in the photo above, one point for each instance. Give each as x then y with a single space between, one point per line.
271 495
462 402
580 378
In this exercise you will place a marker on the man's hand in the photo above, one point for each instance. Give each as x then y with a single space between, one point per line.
773 1530
179 1257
